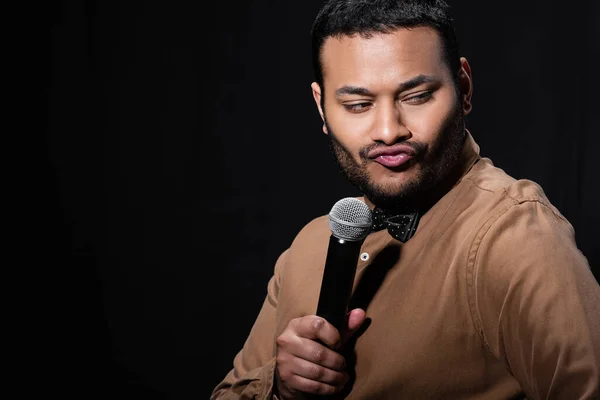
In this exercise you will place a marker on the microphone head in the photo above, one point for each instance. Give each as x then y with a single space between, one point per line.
350 219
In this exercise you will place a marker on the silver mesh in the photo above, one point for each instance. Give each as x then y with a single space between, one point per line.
350 219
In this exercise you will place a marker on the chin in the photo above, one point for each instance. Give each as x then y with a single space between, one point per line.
394 187
391 188
399 177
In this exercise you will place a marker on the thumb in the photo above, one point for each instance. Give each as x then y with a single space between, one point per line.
355 319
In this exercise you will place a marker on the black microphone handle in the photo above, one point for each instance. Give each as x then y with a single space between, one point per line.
338 279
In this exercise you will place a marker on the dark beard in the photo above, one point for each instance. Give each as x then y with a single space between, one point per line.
437 161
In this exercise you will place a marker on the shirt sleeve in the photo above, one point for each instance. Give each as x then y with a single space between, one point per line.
536 302
253 369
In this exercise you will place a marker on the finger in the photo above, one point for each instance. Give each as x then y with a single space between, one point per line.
316 353
356 318
319 373
314 327
306 385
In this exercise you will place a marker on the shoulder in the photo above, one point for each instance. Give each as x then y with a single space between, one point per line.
498 194
522 240
519 231
523 250
308 247
314 230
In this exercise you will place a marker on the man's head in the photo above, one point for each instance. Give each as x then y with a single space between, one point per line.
392 93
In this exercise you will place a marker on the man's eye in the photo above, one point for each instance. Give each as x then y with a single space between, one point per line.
357 107
419 99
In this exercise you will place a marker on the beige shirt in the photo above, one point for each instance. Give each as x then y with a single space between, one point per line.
491 299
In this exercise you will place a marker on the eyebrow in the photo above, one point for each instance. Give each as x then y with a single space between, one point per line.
407 85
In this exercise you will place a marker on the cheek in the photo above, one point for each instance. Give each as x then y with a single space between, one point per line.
427 123
350 131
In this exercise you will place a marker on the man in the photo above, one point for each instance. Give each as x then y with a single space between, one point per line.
489 299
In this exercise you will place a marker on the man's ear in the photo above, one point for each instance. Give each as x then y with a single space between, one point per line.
465 82
316 91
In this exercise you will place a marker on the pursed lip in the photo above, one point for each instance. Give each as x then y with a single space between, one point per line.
391 151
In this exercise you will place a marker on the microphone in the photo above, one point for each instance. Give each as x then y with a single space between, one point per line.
350 222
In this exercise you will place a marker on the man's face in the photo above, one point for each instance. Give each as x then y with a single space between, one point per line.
392 111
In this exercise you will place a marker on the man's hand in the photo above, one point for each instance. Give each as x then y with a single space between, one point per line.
306 358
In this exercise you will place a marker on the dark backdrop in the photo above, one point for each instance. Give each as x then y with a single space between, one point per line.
178 151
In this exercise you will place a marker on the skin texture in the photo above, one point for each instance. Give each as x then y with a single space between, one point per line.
425 120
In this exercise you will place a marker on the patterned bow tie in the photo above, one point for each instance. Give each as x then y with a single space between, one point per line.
401 226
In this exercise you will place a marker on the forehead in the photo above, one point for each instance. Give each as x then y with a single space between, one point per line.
399 55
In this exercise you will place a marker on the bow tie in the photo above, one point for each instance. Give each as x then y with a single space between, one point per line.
401 226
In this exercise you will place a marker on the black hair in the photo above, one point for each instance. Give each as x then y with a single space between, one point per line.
365 17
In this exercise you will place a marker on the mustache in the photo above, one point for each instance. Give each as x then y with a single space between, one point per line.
419 148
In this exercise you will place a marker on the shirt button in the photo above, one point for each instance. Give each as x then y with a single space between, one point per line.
364 256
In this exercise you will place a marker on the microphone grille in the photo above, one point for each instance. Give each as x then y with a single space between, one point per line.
350 219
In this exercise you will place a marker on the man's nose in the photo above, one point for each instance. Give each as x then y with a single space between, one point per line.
389 128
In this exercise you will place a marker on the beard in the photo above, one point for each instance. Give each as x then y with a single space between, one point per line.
436 162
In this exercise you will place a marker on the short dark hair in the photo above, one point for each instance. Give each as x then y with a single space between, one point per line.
365 17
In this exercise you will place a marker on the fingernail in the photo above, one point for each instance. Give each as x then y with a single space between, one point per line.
318 323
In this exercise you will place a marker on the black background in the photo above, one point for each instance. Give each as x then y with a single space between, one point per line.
172 150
